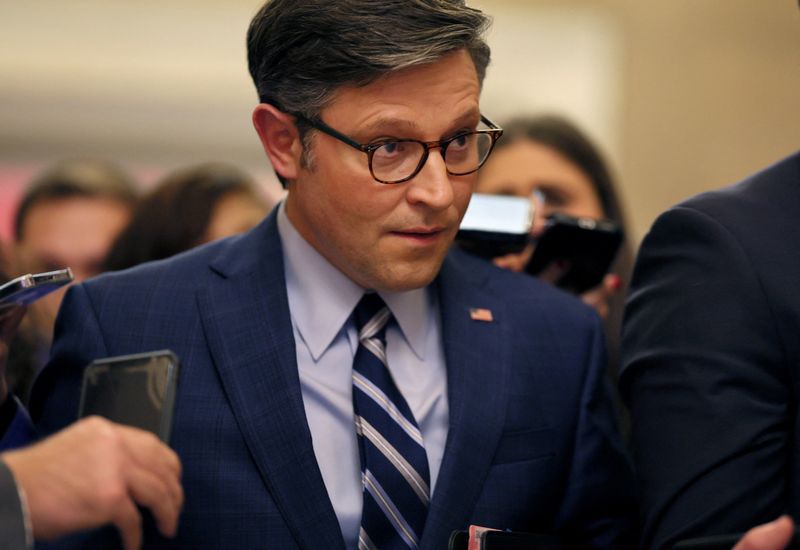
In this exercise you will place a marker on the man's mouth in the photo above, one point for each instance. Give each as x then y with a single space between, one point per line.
420 234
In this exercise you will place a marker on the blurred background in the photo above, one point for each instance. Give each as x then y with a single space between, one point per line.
683 96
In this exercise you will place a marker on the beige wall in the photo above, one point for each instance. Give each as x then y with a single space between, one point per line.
712 93
684 95
708 92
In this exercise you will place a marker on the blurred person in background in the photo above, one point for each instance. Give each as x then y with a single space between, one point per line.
550 160
188 207
68 217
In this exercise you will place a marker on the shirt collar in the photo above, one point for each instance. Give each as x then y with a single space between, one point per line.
321 298
412 309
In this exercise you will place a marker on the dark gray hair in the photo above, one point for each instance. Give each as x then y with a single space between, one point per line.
301 51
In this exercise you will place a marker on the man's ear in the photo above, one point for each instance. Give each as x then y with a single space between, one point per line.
280 139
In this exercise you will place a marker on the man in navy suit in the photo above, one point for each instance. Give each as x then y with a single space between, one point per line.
711 352
369 113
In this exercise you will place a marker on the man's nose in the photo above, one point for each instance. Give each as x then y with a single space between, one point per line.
432 185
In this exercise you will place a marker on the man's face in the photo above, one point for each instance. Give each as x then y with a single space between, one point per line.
389 236
74 232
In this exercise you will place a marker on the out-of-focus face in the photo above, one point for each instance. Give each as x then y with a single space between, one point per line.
75 232
524 167
530 169
234 213
389 236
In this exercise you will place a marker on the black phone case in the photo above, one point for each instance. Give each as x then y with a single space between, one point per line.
588 246
489 244
135 390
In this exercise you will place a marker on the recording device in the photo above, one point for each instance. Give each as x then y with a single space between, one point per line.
26 289
586 247
135 390
494 225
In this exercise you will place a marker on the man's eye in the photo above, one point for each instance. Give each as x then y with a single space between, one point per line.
390 148
459 142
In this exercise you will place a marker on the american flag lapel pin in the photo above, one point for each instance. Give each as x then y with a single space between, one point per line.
481 314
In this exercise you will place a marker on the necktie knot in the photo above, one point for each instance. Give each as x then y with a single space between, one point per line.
371 316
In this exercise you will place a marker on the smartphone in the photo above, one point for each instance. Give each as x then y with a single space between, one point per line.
585 246
459 540
495 225
26 289
135 390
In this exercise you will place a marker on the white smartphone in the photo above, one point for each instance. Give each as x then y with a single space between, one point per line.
26 289
494 225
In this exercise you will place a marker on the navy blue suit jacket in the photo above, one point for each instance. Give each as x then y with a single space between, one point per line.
532 444
711 360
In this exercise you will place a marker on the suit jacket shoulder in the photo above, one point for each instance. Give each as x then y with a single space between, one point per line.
538 367
12 522
710 355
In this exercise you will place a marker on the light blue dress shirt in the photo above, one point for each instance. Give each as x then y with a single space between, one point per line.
321 300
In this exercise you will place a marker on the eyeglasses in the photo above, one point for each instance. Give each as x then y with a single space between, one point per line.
399 160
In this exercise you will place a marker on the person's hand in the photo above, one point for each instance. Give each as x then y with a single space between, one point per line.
515 261
770 536
600 296
95 472
10 317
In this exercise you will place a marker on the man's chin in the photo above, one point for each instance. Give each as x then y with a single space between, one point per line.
409 276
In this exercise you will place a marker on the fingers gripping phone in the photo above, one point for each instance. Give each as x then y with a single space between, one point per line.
26 289
584 246
135 390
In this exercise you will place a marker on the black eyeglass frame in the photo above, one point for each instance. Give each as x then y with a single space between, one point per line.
494 131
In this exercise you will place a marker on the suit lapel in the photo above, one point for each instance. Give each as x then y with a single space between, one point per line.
245 315
477 355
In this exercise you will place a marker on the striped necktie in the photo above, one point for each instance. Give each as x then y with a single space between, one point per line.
394 466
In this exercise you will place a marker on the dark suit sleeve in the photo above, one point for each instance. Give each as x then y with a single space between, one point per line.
599 510
12 520
704 375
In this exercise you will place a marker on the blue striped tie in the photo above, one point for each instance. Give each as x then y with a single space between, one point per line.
394 466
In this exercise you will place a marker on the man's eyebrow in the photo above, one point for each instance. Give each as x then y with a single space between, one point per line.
388 122
470 116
